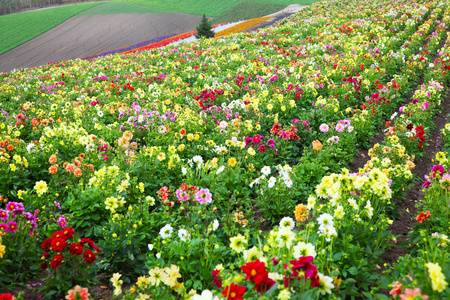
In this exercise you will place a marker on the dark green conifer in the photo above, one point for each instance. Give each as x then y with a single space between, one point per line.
204 29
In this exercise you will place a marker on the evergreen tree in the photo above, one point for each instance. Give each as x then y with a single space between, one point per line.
204 29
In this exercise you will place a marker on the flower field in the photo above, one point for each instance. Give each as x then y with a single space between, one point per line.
223 168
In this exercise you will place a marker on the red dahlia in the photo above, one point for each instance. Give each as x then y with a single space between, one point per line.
89 256
58 245
234 292
56 261
68 233
255 271
46 244
76 249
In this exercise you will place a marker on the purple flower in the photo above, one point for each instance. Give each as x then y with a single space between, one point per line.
4 214
203 196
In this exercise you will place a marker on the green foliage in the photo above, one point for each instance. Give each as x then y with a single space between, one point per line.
204 29
112 8
198 7
248 10
22 27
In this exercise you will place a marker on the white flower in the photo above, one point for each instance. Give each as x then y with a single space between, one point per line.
285 237
287 222
198 159
183 234
311 202
369 209
325 220
303 249
350 128
183 170
206 295
220 170
325 284
271 182
265 170
288 182
223 124
353 203
150 247
150 200
30 147
166 231
158 255
100 113
252 254
215 225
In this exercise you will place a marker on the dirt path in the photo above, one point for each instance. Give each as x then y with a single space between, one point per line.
85 35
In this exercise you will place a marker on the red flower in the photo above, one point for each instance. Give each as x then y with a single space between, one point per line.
43 266
56 261
87 241
309 270
58 235
234 292
68 233
76 249
46 244
217 281
45 255
255 271
7 296
89 256
265 285
423 216
58 245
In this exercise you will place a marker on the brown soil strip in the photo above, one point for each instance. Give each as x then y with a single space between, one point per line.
85 35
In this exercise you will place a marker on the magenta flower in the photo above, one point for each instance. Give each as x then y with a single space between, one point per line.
257 139
203 196
182 195
3 227
4 214
62 222
12 226
437 170
57 204
11 206
262 148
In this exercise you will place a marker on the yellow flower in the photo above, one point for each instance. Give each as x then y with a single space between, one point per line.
190 136
232 162
13 167
238 243
2 250
438 282
117 284
41 187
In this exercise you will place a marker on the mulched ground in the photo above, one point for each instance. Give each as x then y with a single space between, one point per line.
85 35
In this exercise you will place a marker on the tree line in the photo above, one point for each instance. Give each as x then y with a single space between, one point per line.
15 6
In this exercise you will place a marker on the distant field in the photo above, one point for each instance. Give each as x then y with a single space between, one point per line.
19 28
248 10
208 7
111 8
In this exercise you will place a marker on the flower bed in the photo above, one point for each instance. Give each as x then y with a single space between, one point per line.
220 168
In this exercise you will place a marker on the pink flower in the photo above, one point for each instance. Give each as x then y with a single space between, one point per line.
340 127
78 293
203 196
324 127
262 148
182 195
410 294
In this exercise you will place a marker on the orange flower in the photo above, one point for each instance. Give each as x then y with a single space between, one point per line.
301 213
183 131
10 147
70 168
317 145
53 169
52 159
77 172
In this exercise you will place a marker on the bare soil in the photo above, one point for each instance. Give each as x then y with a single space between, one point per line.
86 35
